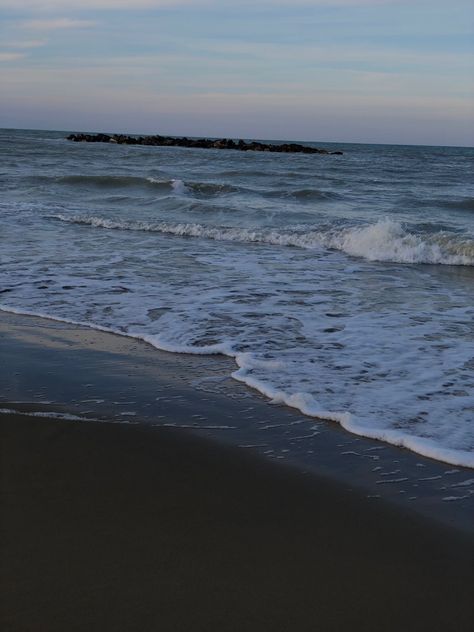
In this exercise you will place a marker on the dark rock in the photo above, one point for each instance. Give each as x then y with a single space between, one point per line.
204 143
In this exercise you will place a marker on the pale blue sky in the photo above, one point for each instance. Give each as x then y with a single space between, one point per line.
331 70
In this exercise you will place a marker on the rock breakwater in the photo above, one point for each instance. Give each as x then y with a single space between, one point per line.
204 143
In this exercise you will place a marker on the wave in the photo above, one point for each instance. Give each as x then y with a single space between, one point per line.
208 189
123 181
305 194
386 241
212 189
304 402
200 189
111 181
465 204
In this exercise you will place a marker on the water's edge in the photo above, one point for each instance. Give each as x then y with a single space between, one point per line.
301 401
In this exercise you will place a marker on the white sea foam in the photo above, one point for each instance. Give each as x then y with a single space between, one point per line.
384 241
302 401
45 414
178 186
389 241
468 482
154 341
306 403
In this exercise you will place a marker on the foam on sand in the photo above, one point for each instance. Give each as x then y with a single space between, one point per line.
302 401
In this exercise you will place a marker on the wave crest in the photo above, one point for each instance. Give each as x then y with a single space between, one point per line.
385 241
389 241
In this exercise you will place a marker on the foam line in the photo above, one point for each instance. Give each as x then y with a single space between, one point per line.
304 402
385 240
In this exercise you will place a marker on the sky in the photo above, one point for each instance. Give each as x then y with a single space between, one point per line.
376 71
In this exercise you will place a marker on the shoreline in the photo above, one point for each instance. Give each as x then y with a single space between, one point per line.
196 393
162 519
420 446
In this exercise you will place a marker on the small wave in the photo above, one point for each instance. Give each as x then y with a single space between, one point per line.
106 181
465 204
213 189
385 241
304 194
113 182
179 187
204 189
219 233
315 194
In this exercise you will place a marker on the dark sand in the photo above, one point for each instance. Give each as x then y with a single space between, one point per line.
130 527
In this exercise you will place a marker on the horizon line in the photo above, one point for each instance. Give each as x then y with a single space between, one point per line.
246 138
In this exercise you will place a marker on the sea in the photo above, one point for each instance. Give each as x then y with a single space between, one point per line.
341 285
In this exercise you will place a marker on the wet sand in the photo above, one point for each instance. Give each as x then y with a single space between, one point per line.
110 526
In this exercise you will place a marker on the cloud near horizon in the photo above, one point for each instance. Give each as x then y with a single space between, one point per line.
48 5
5 57
25 44
57 23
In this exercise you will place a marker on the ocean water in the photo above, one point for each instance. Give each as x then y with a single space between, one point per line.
341 285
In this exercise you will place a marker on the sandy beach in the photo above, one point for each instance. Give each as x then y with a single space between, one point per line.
129 526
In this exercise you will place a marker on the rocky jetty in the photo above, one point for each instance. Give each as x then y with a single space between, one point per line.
204 143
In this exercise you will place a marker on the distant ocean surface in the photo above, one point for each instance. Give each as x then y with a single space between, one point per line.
342 285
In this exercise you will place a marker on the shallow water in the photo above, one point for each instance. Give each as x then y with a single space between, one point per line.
342 285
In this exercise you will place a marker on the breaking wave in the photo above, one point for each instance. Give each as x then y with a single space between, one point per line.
385 241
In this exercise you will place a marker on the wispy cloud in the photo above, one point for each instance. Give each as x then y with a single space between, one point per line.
45 5
63 5
304 55
4 57
24 44
57 23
